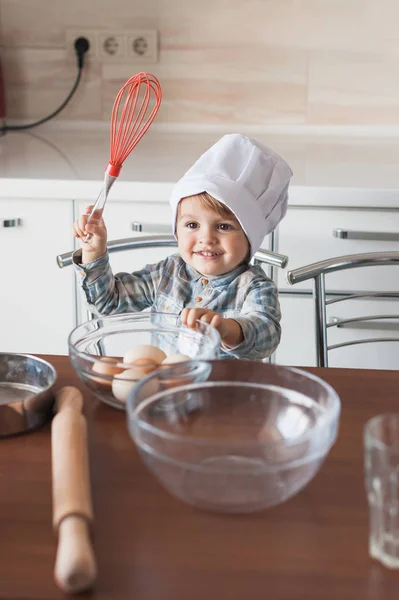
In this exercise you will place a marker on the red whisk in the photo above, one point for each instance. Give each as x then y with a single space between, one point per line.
143 96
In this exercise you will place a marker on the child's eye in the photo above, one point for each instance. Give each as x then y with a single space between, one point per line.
192 225
225 226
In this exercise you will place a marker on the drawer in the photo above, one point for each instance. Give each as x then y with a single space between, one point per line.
364 356
307 236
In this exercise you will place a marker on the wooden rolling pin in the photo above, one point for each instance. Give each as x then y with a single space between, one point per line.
75 567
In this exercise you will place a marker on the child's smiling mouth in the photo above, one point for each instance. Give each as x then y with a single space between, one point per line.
207 254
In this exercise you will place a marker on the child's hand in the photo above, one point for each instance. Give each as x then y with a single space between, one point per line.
190 316
96 246
229 329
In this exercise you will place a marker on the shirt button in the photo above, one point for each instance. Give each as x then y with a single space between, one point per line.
198 299
204 281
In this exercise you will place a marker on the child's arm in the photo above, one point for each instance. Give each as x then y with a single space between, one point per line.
258 322
105 293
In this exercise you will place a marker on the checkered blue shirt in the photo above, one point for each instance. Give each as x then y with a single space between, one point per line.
245 294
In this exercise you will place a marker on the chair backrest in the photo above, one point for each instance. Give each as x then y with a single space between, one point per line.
323 297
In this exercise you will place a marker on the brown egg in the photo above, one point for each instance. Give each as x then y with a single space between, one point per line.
144 351
104 366
123 384
146 365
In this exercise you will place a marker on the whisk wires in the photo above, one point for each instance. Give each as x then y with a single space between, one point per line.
143 96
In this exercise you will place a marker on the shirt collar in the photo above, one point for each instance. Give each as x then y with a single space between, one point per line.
189 274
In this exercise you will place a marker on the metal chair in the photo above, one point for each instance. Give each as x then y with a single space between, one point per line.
318 271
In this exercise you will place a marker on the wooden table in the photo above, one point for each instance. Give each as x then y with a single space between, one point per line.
150 546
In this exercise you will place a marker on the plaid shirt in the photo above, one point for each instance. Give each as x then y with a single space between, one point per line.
245 294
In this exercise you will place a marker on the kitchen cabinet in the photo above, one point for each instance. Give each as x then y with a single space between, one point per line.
37 299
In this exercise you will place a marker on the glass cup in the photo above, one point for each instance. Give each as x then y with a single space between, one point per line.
381 445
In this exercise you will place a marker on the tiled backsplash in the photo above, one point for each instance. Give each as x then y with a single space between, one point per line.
254 62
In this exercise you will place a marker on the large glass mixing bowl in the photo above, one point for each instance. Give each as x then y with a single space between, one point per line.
233 435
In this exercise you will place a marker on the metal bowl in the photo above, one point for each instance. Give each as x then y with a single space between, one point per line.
242 437
108 338
26 397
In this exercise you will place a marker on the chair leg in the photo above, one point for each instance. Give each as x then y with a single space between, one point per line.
319 295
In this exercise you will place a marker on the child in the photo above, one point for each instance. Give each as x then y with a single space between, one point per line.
224 205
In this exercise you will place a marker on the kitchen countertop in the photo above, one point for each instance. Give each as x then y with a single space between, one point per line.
76 154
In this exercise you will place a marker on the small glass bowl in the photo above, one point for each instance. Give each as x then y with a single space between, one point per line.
233 435
97 347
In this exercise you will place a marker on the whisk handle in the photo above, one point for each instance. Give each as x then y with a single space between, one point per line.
97 210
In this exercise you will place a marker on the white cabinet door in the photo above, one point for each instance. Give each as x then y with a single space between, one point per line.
297 346
306 236
37 299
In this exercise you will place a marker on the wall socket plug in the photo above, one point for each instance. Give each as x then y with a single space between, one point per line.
73 34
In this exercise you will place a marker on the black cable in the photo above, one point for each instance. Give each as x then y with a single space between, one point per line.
81 47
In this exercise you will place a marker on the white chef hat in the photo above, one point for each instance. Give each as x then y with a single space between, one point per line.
244 175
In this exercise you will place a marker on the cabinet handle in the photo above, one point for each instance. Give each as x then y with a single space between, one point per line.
12 222
375 322
151 227
381 236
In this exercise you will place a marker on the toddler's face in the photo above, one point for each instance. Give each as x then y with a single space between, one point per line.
210 243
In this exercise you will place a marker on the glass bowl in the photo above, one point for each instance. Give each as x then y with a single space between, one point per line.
97 348
233 436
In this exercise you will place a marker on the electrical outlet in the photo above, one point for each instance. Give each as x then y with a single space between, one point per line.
116 46
142 45
73 34
111 46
